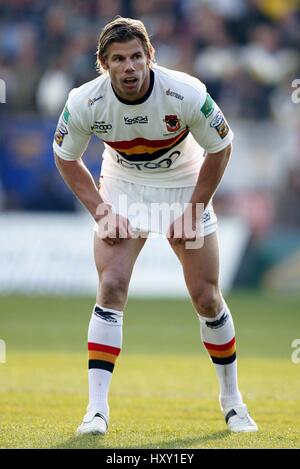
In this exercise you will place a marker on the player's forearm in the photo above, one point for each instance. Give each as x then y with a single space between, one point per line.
79 179
210 176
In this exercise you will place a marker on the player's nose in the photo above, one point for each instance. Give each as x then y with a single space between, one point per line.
129 65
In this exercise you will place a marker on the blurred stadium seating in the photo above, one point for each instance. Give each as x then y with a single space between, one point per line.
247 53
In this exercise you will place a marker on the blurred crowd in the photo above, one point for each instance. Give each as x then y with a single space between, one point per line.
246 51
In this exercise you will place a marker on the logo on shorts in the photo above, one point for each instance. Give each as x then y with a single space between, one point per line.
205 217
172 123
136 120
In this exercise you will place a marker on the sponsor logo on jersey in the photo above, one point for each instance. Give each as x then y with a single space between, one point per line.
66 114
219 123
174 94
136 120
163 163
101 127
172 122
60 133
217 119
91 101
208 106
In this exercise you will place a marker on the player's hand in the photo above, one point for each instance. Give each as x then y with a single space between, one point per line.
112 227
185 230
181 231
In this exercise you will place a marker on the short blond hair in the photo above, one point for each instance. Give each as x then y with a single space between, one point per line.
122 30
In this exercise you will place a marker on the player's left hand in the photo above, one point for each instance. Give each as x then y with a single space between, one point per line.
183 229
187 230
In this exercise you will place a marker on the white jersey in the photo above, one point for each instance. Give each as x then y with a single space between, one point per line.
158 140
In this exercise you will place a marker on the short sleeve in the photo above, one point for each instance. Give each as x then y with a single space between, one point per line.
209 126
72 134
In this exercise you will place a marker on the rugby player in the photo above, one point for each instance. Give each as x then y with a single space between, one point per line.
166 141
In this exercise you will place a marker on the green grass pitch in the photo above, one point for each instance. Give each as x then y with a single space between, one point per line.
164 392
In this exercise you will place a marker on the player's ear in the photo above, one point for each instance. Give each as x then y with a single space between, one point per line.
149 61
150 56
104 64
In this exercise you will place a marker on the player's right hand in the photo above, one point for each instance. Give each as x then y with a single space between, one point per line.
112 227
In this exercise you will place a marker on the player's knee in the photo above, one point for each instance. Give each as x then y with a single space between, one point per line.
113 286
207 300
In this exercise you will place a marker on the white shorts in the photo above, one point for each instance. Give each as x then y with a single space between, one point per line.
151 209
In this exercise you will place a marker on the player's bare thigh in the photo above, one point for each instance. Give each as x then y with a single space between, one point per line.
114 265
201 273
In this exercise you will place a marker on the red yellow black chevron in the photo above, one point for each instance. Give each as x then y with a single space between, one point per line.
142 149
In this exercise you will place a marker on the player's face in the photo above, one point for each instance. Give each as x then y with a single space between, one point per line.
128 68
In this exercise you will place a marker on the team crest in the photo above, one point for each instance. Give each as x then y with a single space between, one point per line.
172 123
